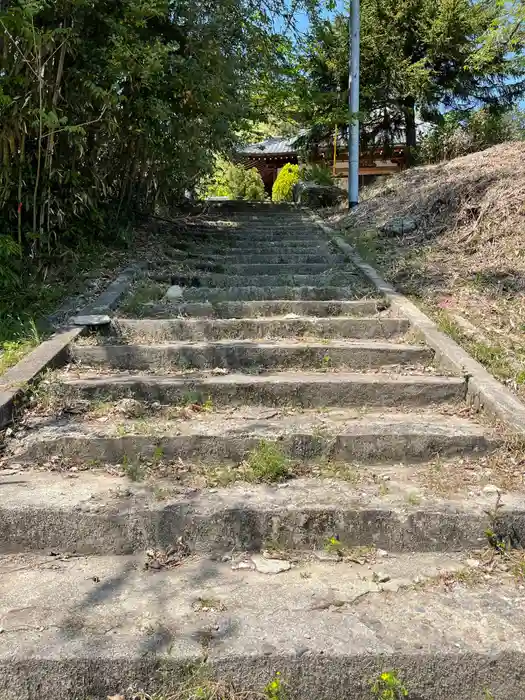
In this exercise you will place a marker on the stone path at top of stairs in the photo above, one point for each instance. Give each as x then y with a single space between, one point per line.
267 475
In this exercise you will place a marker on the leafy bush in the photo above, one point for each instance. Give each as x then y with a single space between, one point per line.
282 190
320 174
235 181
254 186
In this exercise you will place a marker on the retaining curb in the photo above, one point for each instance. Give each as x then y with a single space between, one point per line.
484 392
53 352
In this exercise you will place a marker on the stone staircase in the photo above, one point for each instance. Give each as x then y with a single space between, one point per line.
270 475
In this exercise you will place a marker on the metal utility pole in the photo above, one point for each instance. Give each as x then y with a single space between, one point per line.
354 25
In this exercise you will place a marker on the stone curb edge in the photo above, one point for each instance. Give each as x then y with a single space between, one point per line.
53 352
484 392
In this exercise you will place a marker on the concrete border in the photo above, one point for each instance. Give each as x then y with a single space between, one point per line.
484 392
53 352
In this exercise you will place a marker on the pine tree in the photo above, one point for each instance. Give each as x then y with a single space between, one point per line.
417 56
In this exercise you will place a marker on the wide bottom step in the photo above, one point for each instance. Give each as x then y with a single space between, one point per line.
323 630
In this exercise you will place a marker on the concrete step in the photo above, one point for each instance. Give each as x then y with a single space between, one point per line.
232 354
257 328
256 309
246 260
330 278
243 265
233 236
246 272
305 390
318 293
97 513
216 436
264 247
285 268
322 626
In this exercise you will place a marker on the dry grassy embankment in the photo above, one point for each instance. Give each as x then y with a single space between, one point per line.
465 262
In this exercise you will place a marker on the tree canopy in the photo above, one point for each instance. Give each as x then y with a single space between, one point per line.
417 56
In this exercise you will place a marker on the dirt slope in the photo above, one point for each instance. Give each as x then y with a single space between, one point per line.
465 262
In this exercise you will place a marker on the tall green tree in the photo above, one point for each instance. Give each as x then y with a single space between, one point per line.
417 56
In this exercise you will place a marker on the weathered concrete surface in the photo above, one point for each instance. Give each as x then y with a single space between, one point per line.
258 263
329 633
235 354
267 247
270 327
95 513
231 436
316 293
254 309
324 390
336 278
279 268
268 235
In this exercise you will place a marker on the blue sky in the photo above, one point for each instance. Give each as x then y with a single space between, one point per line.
302 19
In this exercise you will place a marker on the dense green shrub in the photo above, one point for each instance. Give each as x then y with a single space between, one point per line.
234 181
320 174
282 190
254 186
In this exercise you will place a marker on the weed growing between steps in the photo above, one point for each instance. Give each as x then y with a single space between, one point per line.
51 397
503 558
142 294
201 685
388 686
359 555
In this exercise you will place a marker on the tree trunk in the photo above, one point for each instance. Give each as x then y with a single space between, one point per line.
409 109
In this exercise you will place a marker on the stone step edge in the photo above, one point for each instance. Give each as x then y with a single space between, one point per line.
355 309
263 327
262 379
324 390
267 320
232 354
368 441
231 280
293 293
96 513
283 344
